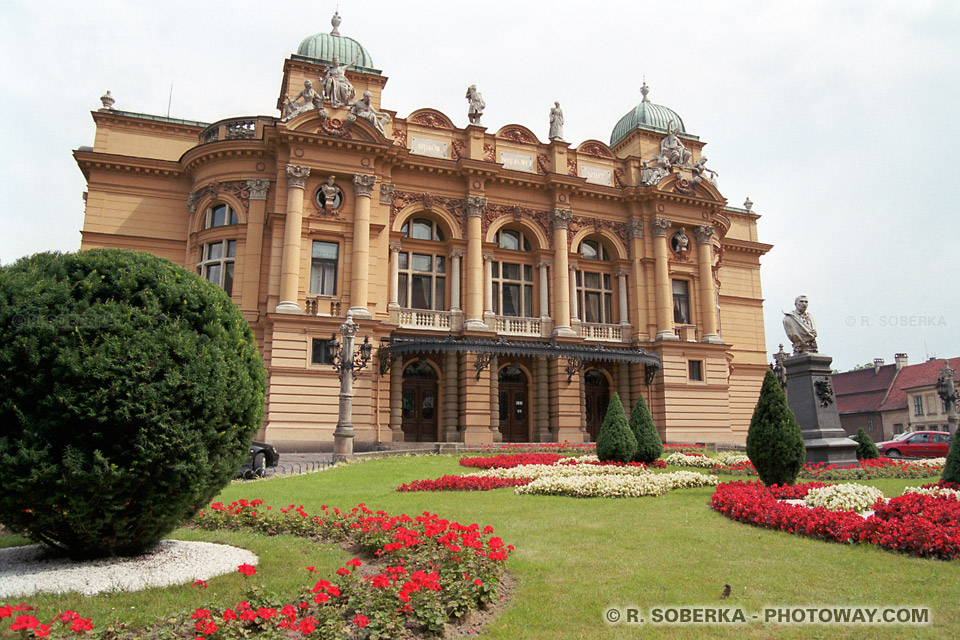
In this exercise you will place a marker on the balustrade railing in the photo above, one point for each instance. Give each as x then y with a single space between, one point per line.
425 319
517 326
603 332
250 128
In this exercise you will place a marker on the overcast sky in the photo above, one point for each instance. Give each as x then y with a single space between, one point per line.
838 119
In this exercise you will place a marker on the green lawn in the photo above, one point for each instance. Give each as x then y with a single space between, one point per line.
577 557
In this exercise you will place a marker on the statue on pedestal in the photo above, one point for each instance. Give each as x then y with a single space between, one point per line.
363 109
476 106
556 123
336 88
305 101
800 327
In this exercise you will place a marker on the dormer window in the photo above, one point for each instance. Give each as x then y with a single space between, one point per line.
220 215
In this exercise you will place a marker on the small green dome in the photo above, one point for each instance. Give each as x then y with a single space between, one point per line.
326 46
646 115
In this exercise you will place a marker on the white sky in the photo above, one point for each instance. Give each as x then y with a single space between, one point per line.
838 119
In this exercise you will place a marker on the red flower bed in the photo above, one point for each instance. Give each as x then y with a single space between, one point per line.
463 483
510 461
925 526
656 464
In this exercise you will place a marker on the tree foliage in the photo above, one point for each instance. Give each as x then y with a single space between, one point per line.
951 470
131 391
866 449
615 441
649 446
774 441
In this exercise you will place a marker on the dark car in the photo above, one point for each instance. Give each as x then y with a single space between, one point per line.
917 444
262 455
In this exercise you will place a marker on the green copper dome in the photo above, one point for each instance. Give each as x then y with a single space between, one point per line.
646 115
326 46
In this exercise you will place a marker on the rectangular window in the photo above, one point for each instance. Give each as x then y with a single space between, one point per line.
217 263
319 353
917 405
681 302
695 369
323 268
869 424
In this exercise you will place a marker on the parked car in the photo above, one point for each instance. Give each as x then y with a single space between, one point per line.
262 455
917 444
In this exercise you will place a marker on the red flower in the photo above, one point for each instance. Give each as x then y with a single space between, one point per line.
24 622
81 624
354 563
361 620
343 571
200 583
246 569
311 570
42 630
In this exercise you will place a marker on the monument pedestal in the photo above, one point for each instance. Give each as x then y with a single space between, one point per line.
810 396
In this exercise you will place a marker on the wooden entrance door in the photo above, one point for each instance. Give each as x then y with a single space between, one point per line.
597 391
419 417
514 405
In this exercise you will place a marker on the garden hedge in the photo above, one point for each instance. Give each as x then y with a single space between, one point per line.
615 441
774 441
649 445
131 390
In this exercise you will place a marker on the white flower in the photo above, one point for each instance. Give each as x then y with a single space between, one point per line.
933 491
844 497
683 460
616 485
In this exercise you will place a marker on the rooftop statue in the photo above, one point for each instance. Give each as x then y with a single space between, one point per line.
363 109
477 105
336 88
672 154
701 172
305 101
800 327
556 123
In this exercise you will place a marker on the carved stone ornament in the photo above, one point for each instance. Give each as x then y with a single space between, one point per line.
561 218
363 184
824 389
455 253
402 199
621 272
594 149
239 189
297 176
258 189
684 186
779 369
543 164
395 247
400 137
703 233
800 327
571 166
618 180
457 149
475 206
517 135
618 229
349 328
431 120
335 127
659 227
192 202
489 153
635 228
386 193
107 101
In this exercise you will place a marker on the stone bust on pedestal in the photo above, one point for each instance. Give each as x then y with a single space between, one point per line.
800 327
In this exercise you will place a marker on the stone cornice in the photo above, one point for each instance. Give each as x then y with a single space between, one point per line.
745 246
88 160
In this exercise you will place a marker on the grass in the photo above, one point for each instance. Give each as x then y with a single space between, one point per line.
577 557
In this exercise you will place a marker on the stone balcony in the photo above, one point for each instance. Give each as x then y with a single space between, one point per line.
249 128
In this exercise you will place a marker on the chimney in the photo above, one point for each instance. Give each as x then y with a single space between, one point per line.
877 363
901 360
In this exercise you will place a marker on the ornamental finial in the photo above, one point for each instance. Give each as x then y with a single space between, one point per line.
335 21
644 90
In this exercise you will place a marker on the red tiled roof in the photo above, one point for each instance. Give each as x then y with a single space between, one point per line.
863 390
914 375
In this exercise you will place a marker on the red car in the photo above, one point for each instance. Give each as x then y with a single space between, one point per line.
917 444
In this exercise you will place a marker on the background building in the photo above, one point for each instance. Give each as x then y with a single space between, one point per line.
509 285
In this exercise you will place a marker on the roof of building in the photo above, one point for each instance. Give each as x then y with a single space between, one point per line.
646 115
915 375
327 46
863 390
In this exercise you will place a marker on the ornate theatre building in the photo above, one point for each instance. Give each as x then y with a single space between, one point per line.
508 285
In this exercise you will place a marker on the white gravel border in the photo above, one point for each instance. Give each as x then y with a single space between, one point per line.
27 570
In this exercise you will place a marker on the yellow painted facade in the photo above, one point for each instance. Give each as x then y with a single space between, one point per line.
544 257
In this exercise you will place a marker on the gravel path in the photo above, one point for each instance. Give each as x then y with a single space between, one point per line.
27 570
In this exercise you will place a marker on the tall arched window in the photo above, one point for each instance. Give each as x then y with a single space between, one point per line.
220 215
595 283
512 275
422 278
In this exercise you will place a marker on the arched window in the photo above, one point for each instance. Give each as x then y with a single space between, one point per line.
423 229
594 283
220 215
512 276
422 278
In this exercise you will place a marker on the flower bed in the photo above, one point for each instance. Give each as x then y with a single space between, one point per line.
616 485
844 497
509 461
463 483
920 525
690 460
537 447
564 470
429 572
865 469
683 447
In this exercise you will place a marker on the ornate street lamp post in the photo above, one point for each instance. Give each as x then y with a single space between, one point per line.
344 359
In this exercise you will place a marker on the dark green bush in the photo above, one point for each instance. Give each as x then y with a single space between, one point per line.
131 391
649 446
615 441
951 470
866 449
774 441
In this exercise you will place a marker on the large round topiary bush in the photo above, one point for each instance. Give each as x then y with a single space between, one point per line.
131 391
775 442
649 445
615 442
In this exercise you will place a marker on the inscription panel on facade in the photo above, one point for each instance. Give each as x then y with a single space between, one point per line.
428 147
517 161
596 175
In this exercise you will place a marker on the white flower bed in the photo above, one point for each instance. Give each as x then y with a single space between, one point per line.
847 497
578 459
933 491
732 458
562 470
683 460
616 485
929 462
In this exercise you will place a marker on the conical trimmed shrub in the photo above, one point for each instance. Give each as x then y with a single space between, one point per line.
615 441
866 449
649 446
951 470
775 442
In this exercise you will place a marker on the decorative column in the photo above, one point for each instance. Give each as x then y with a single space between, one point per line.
488 289
394 276
708 294
661 273
543 401
293 226
639 281
543 266
572 278
253 248
561 275
621 275
362 186
474 320
396 399
455 256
